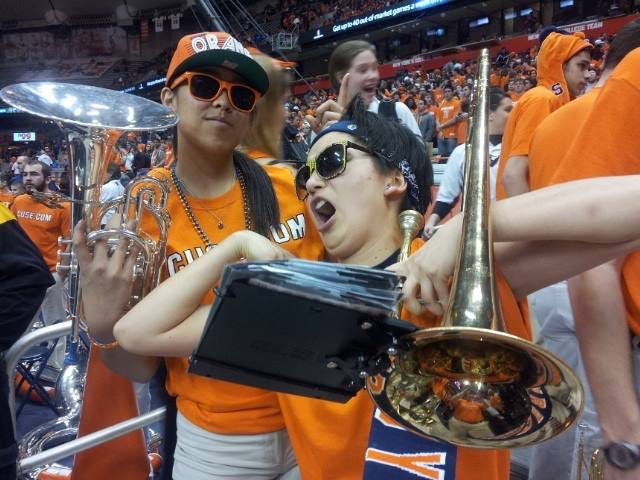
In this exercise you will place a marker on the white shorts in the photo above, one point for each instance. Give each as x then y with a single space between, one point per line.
203 455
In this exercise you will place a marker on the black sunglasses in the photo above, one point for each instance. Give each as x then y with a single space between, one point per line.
207 87
329 163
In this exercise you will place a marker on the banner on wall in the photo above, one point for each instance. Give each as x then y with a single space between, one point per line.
144 30
30 48
370 18
134 45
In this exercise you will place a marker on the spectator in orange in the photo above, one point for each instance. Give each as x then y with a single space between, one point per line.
448 111
563 66
613 376
551 305
44 225
463 122
6 196
518 89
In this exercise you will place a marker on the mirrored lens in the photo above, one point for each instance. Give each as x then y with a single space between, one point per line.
204 87
242 97
330 163
302 177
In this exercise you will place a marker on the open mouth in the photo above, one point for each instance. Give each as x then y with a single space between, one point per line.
324 212
369 89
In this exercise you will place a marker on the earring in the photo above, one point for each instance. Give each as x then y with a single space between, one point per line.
387 186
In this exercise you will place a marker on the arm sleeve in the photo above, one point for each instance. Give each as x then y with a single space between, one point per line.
452 179
24 279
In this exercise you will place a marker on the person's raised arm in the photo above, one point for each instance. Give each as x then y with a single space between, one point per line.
584 233
169 321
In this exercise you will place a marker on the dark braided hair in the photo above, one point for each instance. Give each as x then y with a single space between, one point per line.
263 203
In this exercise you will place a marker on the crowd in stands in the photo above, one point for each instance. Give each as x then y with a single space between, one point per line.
139 153
424 91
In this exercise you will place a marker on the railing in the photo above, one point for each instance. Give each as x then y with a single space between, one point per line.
12 357
91 440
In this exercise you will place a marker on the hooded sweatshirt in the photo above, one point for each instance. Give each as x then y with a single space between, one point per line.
538 103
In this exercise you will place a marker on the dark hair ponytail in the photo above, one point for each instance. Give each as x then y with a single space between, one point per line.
263 204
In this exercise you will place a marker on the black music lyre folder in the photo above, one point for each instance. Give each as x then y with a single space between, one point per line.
306 328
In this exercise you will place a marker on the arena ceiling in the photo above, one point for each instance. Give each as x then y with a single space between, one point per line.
35 10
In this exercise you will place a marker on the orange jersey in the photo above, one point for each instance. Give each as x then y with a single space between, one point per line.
552 139
215 405
608 144
330 439
43 225
538 103
448 110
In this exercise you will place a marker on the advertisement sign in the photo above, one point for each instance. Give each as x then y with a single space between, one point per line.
24 137
354 23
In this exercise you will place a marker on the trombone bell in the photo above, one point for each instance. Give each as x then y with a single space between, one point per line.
478 388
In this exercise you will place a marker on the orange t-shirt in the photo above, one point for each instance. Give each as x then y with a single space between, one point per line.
6 198
330 439
553 137
43 225
215 405
608 144
448 111
461 133
532 108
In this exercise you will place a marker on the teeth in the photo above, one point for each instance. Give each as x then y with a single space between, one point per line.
320 204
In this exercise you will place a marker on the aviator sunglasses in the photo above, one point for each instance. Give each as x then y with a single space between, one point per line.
207 87
329 164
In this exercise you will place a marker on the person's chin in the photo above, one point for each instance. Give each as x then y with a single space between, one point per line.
367 97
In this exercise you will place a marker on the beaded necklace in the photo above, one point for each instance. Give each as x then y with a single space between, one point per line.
180 189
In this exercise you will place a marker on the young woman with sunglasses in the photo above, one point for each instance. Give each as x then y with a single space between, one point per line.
224 430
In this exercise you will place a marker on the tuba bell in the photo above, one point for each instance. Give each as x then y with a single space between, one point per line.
467 382
92 120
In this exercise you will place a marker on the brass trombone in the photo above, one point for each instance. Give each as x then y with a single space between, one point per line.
468 382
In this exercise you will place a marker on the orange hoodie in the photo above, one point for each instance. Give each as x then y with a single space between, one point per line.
535 105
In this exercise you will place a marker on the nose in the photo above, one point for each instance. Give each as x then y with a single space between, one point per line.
315 182
222 100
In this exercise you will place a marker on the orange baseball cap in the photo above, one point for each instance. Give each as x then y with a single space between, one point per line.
216 49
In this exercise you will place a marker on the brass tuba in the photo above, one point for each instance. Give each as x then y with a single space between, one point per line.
467 382
93 119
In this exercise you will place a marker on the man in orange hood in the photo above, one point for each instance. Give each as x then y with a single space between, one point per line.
562 66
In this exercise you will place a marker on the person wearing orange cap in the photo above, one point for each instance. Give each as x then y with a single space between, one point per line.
563 66
224 430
